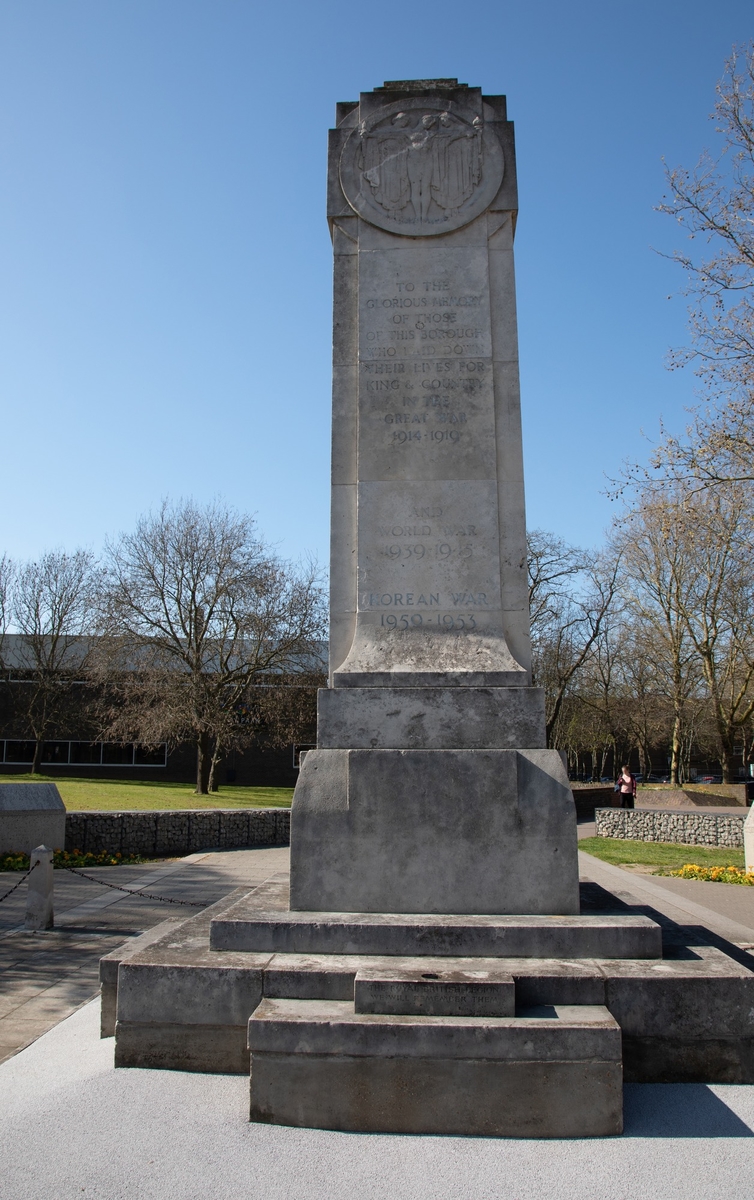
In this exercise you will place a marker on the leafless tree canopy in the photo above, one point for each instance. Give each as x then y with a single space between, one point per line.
714 205
202 625
570 594
52 604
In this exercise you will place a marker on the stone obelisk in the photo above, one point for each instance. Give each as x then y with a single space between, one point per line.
430 789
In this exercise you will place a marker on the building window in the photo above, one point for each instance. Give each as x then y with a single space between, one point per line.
85 754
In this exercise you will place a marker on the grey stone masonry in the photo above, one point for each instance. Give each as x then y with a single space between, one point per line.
176 832
431 788
688 828
31 814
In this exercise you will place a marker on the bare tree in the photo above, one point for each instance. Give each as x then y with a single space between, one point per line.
714 204
198 614
570 595
718 609
602 699
659 570
52 606
686 566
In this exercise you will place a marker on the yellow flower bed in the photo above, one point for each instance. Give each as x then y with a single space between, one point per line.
716 874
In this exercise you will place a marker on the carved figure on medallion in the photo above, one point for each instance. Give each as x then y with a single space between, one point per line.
384 165
416 170
437 160
458 151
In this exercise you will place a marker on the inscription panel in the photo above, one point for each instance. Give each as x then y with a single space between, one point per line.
424 302
428 556
428 540
426 407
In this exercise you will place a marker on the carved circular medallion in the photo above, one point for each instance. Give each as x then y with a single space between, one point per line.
421 167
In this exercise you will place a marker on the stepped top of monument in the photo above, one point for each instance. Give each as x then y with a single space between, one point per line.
419 85
441 94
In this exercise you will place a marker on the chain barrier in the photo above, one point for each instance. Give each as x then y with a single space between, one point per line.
133 891
21 880
114 886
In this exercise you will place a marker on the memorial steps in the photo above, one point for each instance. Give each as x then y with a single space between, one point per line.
503 1044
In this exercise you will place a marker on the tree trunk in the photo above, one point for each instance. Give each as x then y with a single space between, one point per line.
642 759
203 764
37 760
726 759
675 752
212 778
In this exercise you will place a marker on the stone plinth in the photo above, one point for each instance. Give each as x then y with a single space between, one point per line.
31 814
434 831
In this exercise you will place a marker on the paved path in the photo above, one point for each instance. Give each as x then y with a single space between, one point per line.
74 1127
46 976
727 907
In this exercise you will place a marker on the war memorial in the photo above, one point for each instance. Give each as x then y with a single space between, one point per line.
433 967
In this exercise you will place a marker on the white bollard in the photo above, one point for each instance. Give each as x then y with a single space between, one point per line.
749 840
39 913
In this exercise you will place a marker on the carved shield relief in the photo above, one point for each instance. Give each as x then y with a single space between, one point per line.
423 167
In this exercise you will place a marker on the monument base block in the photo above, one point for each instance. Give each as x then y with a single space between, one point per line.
434 831
550 1072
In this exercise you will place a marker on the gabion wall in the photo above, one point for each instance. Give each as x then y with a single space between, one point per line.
690 828
176 832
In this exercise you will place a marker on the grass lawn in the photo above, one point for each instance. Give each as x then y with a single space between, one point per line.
668 856
112 795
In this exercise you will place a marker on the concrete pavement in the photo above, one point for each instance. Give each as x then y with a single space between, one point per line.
73 1126
46 976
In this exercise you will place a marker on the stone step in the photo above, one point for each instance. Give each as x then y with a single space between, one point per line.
688 1017
551 1072
537 981
244 927
400 990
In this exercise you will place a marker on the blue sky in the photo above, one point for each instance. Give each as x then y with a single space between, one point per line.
165 299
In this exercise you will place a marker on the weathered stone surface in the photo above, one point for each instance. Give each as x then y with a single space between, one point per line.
449 992
466 1097
557 981
682 997
685 1017
687 828
108 970
537 981
430 718
213 1049
430 650
31 814
420 831
178 1006
553 1073
243 928
440 577
206 991
333 1027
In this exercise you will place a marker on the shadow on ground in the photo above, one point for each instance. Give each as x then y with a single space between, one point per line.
678 1110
